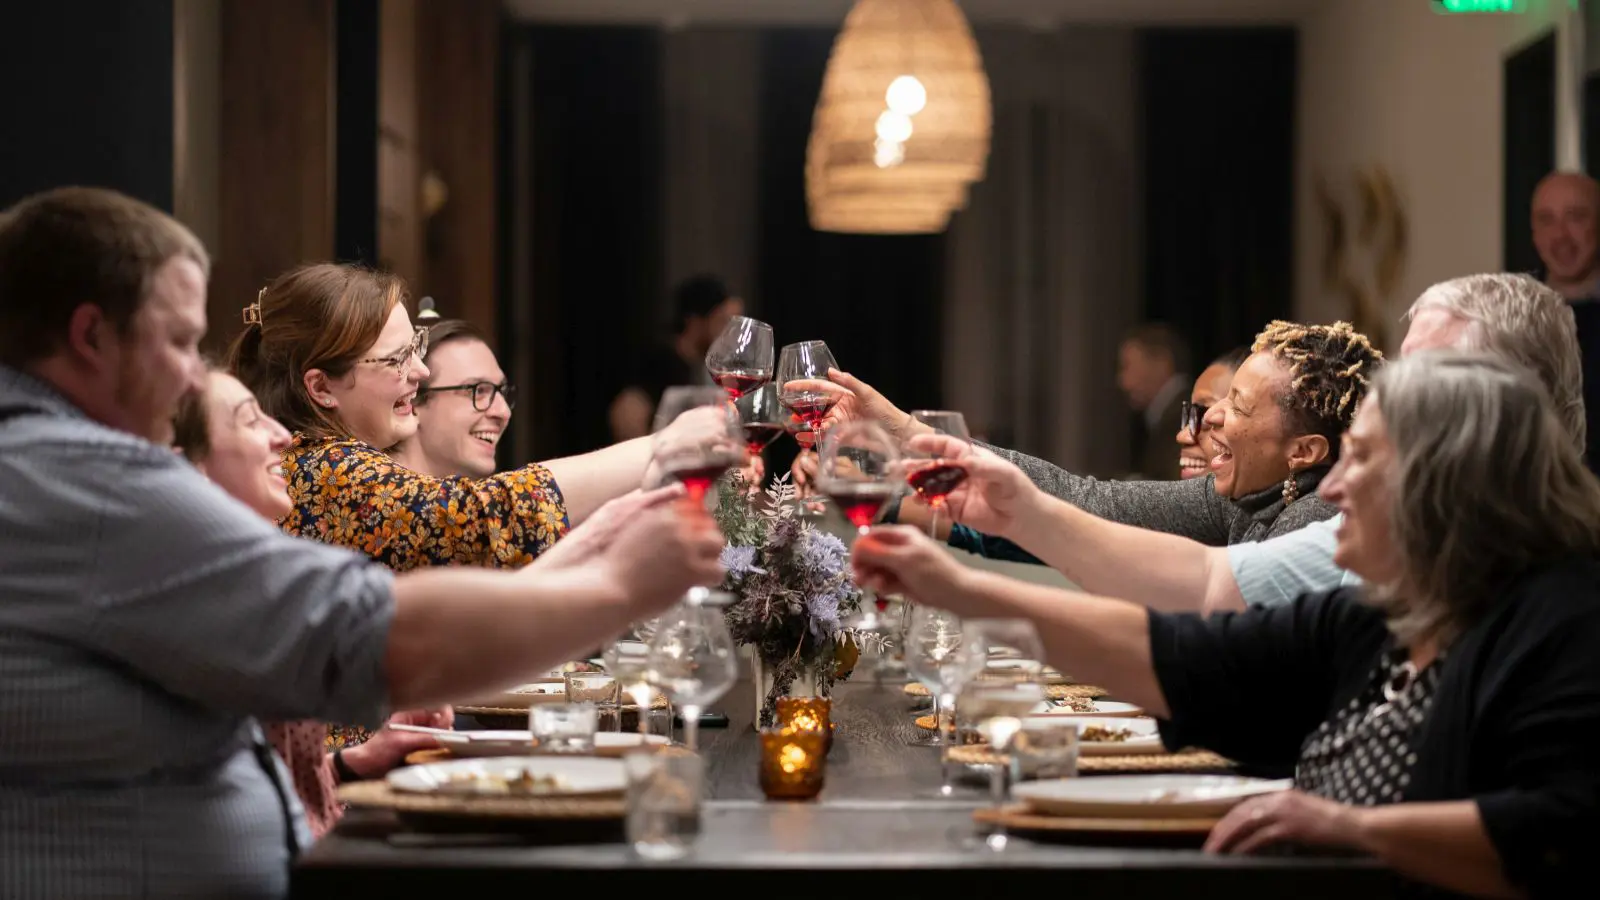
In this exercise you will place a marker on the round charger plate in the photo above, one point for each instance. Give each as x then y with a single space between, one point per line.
1018 818
379 795
1052 691
517 743
1196 761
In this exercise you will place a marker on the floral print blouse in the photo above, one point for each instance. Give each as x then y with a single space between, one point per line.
353 495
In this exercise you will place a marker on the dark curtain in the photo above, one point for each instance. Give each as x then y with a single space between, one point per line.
1218 136
876 300
88 97
355 218
1530 144
596 233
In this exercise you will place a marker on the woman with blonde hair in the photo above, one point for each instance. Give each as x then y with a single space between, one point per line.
1442 718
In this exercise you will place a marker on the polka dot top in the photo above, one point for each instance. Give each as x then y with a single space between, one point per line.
1364 752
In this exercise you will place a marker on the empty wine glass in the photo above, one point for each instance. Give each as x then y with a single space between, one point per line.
696 457
692 659
806 361
761 417
997 703
931 476
859 470
938 655
740 359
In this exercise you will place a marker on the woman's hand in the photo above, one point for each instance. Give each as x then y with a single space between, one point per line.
388 749
1286 817
994 493
898 559
858 400
600 530
662 551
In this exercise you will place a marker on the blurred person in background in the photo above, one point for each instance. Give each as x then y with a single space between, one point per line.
702 307
1152 371
1566 206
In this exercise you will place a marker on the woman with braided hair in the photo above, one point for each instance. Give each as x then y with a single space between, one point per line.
1277 433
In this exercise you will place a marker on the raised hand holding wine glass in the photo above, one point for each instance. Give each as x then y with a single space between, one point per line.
806 361
740 359
697 438
859 470
933 476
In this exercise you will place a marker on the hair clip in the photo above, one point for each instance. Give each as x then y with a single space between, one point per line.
252 313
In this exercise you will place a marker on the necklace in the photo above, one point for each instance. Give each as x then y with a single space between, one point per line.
1400 680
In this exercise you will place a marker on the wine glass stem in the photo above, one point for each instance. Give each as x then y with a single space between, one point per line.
999 782
691 725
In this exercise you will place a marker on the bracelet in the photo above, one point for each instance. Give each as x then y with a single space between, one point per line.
343 770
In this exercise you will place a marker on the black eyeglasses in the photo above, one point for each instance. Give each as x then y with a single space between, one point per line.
1190 416
482 393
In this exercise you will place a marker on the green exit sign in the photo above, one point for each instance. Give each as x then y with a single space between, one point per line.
1479 6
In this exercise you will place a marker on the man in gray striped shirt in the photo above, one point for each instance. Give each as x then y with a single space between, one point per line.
146 618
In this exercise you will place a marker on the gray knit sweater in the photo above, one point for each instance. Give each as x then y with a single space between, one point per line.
1189 508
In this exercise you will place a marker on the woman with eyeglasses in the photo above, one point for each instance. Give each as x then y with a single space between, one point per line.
1274 436
331 352
1195 450
463 406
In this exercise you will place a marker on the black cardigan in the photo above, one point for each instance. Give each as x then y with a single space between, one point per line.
1515 722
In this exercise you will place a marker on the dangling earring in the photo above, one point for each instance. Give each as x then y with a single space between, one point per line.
1291 489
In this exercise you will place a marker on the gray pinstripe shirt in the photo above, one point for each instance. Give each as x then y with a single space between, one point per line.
146 619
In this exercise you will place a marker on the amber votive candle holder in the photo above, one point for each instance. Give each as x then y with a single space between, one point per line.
807 714
794 763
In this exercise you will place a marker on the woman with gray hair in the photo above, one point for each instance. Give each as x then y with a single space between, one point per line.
1444 718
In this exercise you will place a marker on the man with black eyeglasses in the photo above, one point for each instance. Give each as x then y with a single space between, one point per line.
462 409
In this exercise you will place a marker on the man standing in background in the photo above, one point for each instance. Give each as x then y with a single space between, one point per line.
1151 367
1565 208
702 307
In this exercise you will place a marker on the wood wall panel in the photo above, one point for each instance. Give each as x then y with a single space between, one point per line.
275 182
457 60
399 168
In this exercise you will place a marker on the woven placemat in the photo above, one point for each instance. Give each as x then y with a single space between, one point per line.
378 795
1019 818
1051 691
1183 761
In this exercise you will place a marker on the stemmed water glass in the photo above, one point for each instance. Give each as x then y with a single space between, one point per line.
932 477
806 361
740 359
628 661
761 417
695 457
692 657
859 470
997 703
938 654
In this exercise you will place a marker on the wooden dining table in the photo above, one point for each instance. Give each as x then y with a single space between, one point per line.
879 824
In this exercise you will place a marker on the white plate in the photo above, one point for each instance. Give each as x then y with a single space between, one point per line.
580 776
1146 737
512 743
1142 796
1101 708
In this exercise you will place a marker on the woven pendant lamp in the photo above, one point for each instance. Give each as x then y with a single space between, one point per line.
904 115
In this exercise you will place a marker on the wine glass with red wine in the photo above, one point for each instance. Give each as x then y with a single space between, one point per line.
761 417
698 456
859 470
806 361
930 476
740 359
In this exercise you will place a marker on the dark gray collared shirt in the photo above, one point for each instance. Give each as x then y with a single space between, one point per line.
146 620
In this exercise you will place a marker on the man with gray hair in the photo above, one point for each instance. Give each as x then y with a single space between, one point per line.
1513 316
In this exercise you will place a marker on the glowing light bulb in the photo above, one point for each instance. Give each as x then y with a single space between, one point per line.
893 126
888 154
906 95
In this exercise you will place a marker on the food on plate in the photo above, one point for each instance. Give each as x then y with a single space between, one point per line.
522 783
540 689
1077 704
1104 734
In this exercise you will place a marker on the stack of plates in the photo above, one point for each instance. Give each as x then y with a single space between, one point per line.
1163 797
513 743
